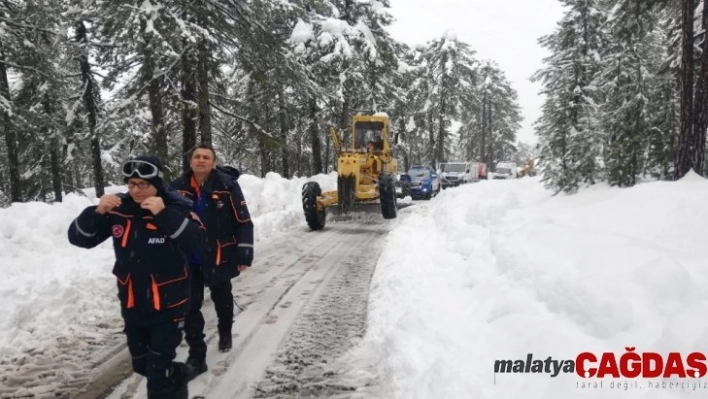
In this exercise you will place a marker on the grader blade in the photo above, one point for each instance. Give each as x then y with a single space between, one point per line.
358 211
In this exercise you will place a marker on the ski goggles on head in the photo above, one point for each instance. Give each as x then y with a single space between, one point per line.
140 169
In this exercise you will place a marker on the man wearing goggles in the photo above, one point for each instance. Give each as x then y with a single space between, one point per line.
220 204
153 232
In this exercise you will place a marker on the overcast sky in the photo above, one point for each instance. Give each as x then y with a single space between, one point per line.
505 31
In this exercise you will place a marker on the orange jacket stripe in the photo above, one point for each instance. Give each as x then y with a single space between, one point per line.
155 294
180 303
129 282
184 276
131 297
125 235
233 207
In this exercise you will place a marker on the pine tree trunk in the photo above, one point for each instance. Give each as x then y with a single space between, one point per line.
440 145
483 141
328 145
262 151
54 157
159 132
315 139
298 147
76 173
431 137
490 125
91 107
10 139
189 104
344 120
68 177
283 118
402 133
684 160
700 107
204 105
55 160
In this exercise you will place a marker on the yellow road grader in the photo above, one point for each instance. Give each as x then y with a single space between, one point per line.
366 173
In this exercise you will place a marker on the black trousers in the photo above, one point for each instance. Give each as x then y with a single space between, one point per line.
223 300
152 349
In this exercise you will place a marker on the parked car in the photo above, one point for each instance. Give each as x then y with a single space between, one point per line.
505 170
452 174
424 182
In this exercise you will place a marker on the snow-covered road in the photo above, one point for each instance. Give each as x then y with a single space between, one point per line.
304 304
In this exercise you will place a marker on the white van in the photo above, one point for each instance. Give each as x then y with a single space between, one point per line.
455 173
505 170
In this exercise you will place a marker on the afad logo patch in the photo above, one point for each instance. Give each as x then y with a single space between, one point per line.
117 230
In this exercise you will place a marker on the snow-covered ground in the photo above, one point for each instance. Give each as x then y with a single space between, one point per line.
485 272
59 302
501 269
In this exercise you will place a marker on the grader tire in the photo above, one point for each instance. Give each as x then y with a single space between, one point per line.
315 218
387 196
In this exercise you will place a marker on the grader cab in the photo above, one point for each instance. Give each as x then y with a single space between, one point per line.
366 169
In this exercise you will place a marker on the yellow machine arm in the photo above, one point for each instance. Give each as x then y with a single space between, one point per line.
335 140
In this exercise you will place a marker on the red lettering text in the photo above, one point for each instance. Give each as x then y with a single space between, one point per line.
580 367
652 365
608 365
630 364
696 364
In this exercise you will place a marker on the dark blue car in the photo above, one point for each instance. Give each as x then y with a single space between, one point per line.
424 182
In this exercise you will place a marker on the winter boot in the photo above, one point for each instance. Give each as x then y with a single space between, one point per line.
224 340
197 365
180 377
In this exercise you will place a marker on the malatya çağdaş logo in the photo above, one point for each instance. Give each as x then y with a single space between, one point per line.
629 364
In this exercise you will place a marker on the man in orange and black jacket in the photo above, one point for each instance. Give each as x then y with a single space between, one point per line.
153 232
219 202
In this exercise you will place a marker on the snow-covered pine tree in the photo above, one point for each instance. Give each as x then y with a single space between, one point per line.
86 108
700 105
332 45
627 75
209 30
142 52
39 96
663 107
10 45
495 118
569 139
686 156
407 102
451 73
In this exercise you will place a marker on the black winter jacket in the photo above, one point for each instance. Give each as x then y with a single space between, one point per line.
151 254
227 222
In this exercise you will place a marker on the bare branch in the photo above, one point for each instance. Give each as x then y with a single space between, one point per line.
31 27
22 67
244 119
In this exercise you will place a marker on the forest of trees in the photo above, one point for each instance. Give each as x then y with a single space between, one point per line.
85 84
626 89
